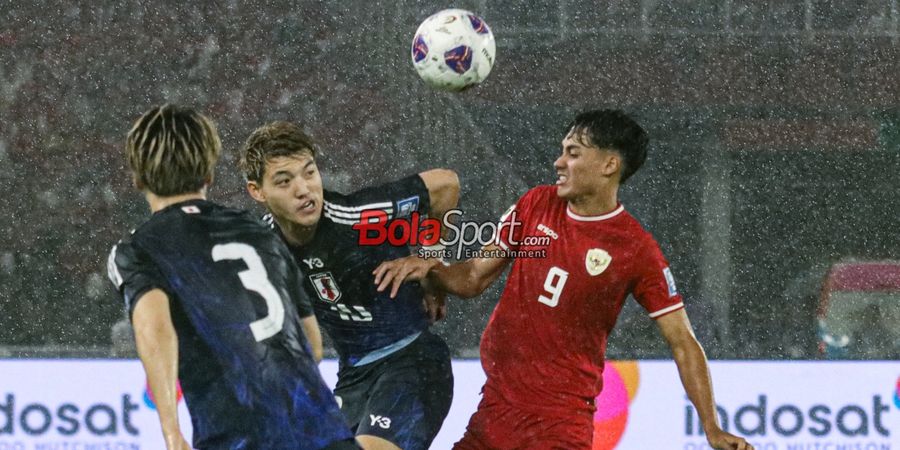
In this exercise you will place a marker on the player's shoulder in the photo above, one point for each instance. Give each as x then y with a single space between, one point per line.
543 191
196 218
123 257
335 198
540 195
636 230
349 209
244 217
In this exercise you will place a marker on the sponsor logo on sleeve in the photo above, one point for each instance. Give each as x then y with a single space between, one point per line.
407 206
670 280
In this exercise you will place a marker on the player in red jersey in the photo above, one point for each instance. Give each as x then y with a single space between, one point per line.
543 349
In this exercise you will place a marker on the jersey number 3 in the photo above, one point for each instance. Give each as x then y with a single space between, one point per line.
255 279
556 280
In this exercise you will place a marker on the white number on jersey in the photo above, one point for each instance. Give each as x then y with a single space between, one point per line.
255 279
357 314
556 280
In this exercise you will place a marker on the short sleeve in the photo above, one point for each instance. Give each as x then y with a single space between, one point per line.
655 289
133 273
510 228
396 199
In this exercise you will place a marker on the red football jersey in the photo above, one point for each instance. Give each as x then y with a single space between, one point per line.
545 343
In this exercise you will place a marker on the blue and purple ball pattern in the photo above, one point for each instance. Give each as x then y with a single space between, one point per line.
478 25
419 49
459 59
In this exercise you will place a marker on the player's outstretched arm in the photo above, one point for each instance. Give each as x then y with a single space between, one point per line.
443 190
157 345
694 372
464 279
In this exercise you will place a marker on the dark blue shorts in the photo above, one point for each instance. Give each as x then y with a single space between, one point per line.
403 397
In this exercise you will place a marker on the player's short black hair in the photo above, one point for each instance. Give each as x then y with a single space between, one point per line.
172 150
272 140
612 129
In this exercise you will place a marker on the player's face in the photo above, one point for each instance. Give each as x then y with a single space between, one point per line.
292 189
581 168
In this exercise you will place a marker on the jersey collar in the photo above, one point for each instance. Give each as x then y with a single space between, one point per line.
606 216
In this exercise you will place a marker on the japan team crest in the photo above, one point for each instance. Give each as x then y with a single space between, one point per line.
326 287
596 261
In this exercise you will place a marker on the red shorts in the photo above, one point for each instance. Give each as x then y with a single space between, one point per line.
497 425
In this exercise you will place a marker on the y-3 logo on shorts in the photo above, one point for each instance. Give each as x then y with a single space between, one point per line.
382 422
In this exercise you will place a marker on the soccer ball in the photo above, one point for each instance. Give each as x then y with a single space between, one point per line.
453 49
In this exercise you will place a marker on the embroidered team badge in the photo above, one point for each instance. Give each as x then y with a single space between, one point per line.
326 287
597 261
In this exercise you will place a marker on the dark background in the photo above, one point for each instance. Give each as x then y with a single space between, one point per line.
775 132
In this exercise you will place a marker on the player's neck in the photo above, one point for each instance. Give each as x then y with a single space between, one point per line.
159 202
595 205
295 234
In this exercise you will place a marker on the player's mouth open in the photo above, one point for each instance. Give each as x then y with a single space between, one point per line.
561 179
307 207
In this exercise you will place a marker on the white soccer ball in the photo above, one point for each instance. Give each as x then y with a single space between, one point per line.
453 49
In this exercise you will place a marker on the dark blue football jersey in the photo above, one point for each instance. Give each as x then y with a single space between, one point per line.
248 376
358 319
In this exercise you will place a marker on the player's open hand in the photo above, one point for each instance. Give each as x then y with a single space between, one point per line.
394 273
722 440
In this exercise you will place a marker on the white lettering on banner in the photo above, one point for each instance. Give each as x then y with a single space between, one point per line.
789 420
66 418
12 445
81 404
784 405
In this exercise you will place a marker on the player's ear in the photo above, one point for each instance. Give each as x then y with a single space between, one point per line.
610 163
255 191
136 182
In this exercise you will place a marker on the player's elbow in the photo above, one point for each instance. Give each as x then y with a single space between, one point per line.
687 348
317 354
474 285
467 292
150 338
443 188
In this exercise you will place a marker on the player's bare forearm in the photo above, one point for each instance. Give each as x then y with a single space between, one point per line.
693 369
694 372
464 279
157 346
313 335
443 190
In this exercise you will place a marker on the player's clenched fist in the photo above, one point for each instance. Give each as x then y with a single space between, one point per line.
723 440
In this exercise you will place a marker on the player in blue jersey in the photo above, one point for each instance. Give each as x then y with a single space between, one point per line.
215 302
395 382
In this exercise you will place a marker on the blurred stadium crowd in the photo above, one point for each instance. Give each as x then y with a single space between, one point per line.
775 133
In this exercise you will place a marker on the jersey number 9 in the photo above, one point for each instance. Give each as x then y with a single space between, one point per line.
556 280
